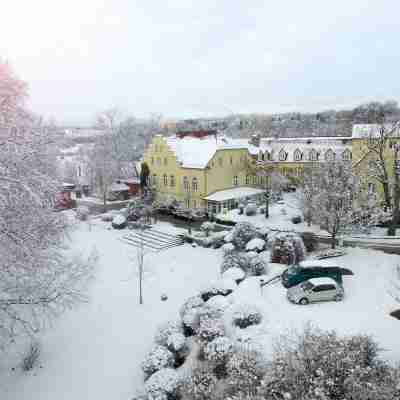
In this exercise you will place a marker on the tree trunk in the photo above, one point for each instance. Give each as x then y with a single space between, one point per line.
105 201
266 208
386 193
333 243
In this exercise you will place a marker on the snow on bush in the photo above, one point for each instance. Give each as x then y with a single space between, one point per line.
176 342
242 233
245 370
245 315
209 311
287 248
228 248
119 222
209 329
219 350
257 265
263 232
234 260
107 217
163 385
219 303
251 209
255 244
322 365
159 357
220 287
82 213
166 330
207 227
189 314
199 384
234 273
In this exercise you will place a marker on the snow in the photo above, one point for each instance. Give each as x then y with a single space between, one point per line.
96 351
322 281
318 263
255 244
235 193
119 220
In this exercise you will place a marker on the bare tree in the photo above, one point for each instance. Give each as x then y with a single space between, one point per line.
38 279
308 190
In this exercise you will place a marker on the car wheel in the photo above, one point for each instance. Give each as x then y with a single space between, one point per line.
338 297
303 301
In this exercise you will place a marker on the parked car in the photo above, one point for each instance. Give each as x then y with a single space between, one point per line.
305 270
314 290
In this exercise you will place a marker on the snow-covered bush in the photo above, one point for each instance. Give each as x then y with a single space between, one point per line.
176 342
189 314
219 303
287 248
209 329
82 213
228 248
237 274
257 265
263 232
245 370
245 315
322 365
199 384
242 233
234 259
166 330
119 222
159 357
221 287
209 311
256 244
219 350
107 217
207 227
163 385
251 209
31 357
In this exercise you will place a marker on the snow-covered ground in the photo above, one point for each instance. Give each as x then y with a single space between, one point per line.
95 351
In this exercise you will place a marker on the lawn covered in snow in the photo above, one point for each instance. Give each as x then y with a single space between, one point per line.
95 351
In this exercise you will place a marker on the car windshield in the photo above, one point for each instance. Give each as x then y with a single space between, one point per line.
307 285
293 269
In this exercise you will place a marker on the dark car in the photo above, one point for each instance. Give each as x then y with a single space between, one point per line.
297 274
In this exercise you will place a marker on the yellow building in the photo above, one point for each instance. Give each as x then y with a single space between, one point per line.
202 169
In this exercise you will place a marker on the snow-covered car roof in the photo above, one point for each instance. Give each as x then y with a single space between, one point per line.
322 281
317 263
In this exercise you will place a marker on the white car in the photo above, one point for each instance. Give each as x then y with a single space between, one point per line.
315 289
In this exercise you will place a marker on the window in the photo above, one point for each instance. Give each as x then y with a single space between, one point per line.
165 180
235 180
313 155
185 183
346 155
220 162
187 203
231 160
152 160
282 155
79 170
247 179
267 156
298 155
194 184
155 179
371 188
329 155
261 156
158 161
172 181
194 204
165 160
254 180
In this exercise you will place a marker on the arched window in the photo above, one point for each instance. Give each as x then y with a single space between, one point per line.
261 156
329 155
297 155
194 184
235 180
346 155
282 155
172 180
313 155
247 179
155 179
185 183
165 178
267 156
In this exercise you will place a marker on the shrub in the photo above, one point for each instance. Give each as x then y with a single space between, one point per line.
309 240
158 358
246 315
166 330
242 233
255 244
207 227
200 384
82 213
296 219
218 303
251 209
221 287
209 329
119 222
163 385
219 350
31 357
189 314
245 370
107 217
237 274
317 364
234 259
287 248
257 265
228 248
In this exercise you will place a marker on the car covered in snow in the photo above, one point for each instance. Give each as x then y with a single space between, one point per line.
315 290
309 269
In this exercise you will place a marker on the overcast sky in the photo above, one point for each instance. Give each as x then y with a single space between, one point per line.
187 58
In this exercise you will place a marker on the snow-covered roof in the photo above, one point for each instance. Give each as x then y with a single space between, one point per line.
195 152
362 131
234 193
322 281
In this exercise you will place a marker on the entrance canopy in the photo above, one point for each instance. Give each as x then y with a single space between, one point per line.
236 193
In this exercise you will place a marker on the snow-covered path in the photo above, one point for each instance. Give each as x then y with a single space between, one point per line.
94 352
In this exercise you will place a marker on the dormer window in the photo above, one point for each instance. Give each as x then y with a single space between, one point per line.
346 155
313 155
282 155
329 155
298 155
